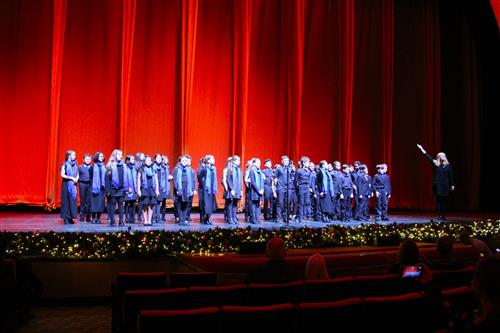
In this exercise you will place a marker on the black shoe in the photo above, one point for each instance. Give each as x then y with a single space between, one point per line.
82 219
385 219
443 218
121 223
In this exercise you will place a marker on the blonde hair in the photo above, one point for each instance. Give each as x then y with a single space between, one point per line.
316 267
441 159
112 158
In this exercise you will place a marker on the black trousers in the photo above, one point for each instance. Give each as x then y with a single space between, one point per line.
112 202
440 205
84 199
268 202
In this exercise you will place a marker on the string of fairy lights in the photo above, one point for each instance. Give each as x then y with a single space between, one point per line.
157 243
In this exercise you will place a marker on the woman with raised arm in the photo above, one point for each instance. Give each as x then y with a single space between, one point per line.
442 183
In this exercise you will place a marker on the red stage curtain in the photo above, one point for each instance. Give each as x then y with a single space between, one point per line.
332 79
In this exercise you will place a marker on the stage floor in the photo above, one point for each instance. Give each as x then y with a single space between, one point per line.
45 222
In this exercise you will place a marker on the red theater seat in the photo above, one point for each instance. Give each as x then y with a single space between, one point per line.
265 294
194 320
330 289
135 301
338 316
461 299
258 319
188 279
385 285
132 281
453 279
218 296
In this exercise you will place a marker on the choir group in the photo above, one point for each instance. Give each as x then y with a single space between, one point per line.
137 187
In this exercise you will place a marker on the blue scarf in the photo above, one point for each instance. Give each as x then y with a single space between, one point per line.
327 182
160 170
189 175
211 183
98 179
71 170
258 178
236 180
131 176
148 172
115 180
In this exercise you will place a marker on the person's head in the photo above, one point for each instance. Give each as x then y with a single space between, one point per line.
311 166
380 168
210 160
148 161
408 253
465 237
357 164
256 162
184 160
140 156
305 161
441 159
130 159
116 155
275 249
268 163
70 156
189 159
285 160
158 158
485 282
99 157
229 162
351 168
363 168
323 164
87 158
316 267
164 159
329 167
444 246
346 168
336 165
236 160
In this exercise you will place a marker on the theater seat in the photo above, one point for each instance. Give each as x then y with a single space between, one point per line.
219 295
461 299
193 320
339 316
328 290
453 279
271 293
132 281
258 319
135 301
188 279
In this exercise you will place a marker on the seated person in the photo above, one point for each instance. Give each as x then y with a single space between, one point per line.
479 245
445 261
316 267
276 270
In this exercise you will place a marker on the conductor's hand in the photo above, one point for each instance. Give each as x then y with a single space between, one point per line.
453 188
421 148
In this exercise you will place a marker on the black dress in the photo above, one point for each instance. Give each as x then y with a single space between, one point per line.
97 204
442 180
69 206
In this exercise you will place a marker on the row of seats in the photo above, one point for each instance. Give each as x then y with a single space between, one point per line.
412 312
339 264
130 301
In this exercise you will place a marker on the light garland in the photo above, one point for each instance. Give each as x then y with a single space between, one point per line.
78 246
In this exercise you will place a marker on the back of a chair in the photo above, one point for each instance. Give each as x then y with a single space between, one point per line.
379 285
403 313
132 281
274 293
193 320
10 265
453 279
235 294
461 299
189 279
252 319
339 316
135 301
329 290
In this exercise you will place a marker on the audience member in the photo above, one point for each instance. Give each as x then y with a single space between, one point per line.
316 267
276 270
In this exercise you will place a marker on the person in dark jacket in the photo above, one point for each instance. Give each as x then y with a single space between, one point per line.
381 185
256 190
84 185
442 182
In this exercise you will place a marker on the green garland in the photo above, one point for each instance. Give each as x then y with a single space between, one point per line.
78 246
